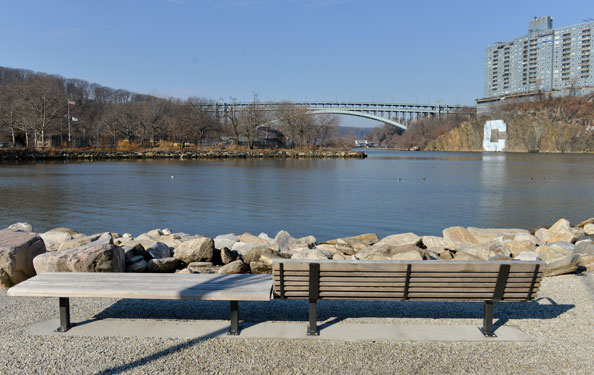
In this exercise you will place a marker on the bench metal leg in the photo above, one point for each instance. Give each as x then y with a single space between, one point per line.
312 328
64 315
234 330
487 328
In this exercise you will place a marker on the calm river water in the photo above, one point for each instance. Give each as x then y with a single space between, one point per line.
389 192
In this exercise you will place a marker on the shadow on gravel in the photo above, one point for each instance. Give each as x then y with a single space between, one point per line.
329 313
172 349
297 310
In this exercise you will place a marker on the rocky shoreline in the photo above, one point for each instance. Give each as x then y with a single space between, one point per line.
564 249
17 155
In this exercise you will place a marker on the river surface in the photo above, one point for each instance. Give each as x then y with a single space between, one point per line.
389 192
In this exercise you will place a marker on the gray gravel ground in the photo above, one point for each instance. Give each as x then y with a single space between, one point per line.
561 322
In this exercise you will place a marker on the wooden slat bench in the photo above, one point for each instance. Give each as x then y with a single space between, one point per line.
488 281
212 287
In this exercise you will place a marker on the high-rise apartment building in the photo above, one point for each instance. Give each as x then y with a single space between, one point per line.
546 59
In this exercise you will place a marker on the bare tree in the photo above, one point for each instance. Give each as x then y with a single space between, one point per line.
44 97
295 122
325 127
9 109
251 117
232 115
202 121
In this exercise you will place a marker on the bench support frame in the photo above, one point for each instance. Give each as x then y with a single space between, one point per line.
234 330
65 323
487 328
64 315
314 293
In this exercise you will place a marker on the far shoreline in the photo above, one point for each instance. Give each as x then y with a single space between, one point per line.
156 154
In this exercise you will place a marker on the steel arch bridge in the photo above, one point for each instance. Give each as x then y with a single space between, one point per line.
395 114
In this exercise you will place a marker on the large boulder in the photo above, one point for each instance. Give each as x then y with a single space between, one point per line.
202 267
367 238
53 239
397 240
434 243
268 259
386 251
350 246
518 247
255 254
477 251
309 254
250 238
195 250
23 227
307 241
173 240
527 256
225 240
283 240
560 225
486 235
227 256
161 265
464 256
79 241
459 235
17 251
101 255
135 251
236 266
561 236
543 235
586 222
288 243
585 246
328 247
243 247
155 247
586 261
138 266
265 237
558 260
259 267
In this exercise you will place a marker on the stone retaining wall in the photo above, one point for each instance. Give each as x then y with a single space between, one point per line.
195 154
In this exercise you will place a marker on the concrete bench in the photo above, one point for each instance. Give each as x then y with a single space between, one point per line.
487 281
211 287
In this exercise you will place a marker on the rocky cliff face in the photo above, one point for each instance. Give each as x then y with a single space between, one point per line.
552 128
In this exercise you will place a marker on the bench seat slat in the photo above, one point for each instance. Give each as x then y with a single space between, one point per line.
290 285
441 288
415 295
403 274
359 280
392 266
149 286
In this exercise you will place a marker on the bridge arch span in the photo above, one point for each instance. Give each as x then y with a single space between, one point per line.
336 111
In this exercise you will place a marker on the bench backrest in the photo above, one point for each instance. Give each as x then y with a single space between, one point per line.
406 280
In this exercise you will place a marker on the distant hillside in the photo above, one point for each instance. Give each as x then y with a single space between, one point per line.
548 125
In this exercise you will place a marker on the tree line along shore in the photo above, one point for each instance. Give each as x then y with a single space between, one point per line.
23 253
41 110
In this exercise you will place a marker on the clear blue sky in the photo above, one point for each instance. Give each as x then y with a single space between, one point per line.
380 50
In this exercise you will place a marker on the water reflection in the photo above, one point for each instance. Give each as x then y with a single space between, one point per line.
390 192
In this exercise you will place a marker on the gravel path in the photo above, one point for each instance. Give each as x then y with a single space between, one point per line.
561 323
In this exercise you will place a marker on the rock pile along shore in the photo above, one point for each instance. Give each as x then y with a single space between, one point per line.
185 154
563 248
